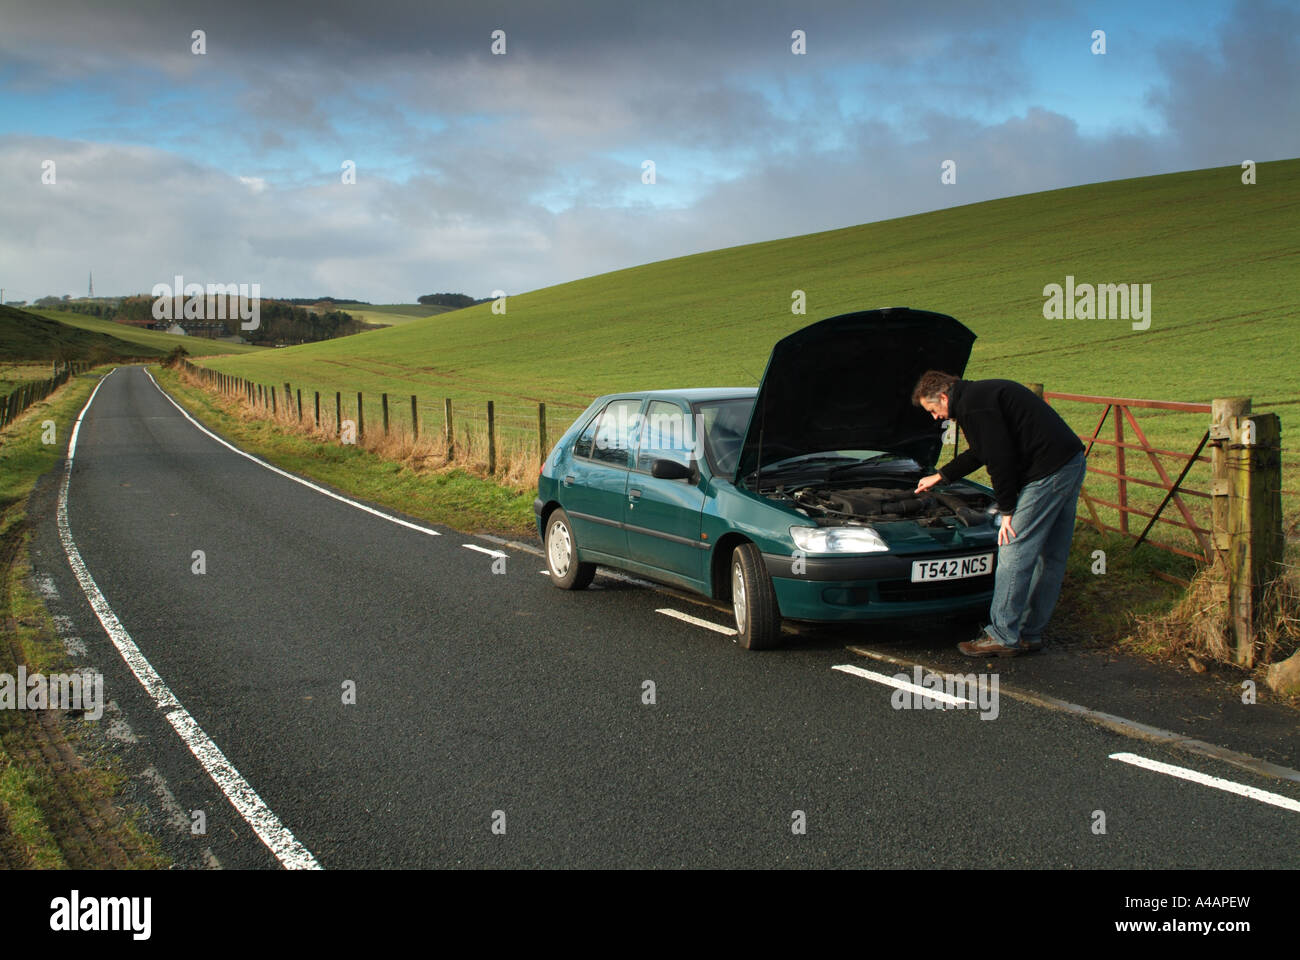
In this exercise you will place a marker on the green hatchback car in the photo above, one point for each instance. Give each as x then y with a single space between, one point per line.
793 500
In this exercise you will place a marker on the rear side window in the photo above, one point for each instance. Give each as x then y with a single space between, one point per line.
612 434
583 447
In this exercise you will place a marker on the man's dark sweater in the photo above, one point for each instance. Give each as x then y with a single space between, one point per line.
1013 433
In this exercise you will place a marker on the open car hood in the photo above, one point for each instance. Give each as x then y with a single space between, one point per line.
846 384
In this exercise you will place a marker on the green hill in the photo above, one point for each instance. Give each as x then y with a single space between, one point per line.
31 336
1222 259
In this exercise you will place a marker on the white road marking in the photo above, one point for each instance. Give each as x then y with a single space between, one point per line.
292 854
687 618
490 553
513 544
1121 725
284 473
120 731
889 681
1218 783
45 586
176 816
73 644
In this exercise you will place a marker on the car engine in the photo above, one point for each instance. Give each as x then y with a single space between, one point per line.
885 501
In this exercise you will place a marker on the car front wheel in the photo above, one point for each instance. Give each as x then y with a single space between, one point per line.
562 555
753 600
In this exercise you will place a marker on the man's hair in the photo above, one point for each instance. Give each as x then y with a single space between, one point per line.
931 384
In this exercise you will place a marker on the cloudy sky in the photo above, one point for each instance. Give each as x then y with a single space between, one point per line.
477 171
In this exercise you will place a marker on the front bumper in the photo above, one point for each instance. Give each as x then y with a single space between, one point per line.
871 588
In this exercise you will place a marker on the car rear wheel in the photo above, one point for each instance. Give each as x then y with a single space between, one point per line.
562 555
753 600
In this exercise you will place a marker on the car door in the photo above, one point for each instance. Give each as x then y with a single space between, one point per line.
661 516
594 487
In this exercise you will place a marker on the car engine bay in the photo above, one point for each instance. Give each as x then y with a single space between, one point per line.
887 499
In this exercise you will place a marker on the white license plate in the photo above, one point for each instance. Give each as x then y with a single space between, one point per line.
954 568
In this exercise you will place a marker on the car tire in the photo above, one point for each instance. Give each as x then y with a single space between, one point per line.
753 600
562 554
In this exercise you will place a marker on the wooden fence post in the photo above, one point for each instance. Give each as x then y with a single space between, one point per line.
383 400
1224 412
361 418
492 441
300 404
450 443
415 420
1248 542
317 409
541 432
338 413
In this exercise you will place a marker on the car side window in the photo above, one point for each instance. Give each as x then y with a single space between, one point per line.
666 434
615 434
582 448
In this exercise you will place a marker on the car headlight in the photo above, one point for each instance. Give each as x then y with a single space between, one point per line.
837 540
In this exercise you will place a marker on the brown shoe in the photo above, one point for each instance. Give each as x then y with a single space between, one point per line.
985 646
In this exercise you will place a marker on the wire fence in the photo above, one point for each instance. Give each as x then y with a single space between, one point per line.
33 391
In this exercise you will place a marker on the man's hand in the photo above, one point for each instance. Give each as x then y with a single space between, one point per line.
927 482
1005 533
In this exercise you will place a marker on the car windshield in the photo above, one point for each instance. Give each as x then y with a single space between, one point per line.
724 422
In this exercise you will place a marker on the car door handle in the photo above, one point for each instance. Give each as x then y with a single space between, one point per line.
568 481
634 494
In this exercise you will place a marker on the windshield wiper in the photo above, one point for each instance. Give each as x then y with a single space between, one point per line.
783 468
849 467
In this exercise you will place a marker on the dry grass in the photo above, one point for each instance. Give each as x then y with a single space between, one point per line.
1200 624
516 459
1280 621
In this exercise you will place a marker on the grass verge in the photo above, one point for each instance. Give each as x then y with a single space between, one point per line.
420 484
56 808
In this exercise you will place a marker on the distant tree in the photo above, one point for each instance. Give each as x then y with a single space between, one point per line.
456 300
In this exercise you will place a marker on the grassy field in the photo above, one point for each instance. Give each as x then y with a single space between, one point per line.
1221 259
158 344
16 372
395 314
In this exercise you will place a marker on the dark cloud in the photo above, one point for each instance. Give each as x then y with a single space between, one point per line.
477 172
1236 96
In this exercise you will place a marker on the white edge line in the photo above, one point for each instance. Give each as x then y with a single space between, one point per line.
889 681
285 473
287 849
490 553
687 618
1205 780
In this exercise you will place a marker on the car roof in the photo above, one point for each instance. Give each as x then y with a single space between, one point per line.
689 394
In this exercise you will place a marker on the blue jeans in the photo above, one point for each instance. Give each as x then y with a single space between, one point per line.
1032 565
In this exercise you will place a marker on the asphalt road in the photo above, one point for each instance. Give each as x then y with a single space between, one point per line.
489 700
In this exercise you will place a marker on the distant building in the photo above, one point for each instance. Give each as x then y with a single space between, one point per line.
210 329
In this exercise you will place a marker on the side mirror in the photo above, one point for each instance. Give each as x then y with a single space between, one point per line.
670 470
